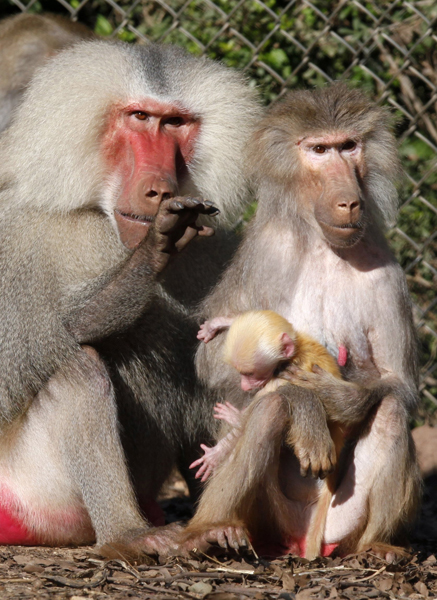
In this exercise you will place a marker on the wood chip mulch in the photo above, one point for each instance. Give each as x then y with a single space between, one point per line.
80 573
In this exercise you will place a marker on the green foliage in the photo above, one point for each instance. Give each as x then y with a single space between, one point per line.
103 27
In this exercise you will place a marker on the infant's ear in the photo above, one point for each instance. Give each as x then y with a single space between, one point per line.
287 346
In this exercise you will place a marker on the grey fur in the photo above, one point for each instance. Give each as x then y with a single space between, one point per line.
67 280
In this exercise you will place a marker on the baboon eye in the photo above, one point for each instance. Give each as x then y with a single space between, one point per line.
349 145
174 121
140 115
320 149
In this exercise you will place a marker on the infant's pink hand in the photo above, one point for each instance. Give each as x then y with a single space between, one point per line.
205 333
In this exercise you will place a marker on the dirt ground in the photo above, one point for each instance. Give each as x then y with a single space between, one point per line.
80 573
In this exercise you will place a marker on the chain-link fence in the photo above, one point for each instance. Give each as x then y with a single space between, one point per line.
389 48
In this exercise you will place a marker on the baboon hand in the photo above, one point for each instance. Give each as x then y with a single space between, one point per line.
308 435
316 454
229 413
175 226
139 544
232 536
209 329
207 463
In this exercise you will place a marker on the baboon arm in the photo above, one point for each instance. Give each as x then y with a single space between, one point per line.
308 433
117 299
111 303
348 402
39 334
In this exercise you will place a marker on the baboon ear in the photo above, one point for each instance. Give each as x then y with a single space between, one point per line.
287 346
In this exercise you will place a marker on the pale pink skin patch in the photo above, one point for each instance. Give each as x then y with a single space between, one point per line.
342 356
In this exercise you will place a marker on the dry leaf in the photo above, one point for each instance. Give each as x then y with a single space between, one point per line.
385 584
288 582
21 559
66 564
406 589
421 588
302 580
121 577
200 588
32 568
